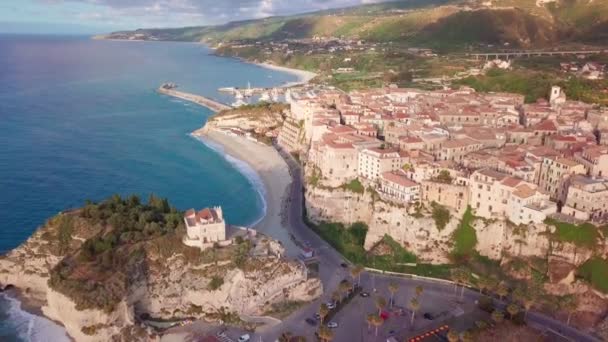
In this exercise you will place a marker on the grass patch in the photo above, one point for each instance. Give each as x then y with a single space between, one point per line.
354 186
585 235
465 237
595 271
215 283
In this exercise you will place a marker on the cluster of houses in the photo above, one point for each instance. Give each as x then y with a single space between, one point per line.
588 70
490 151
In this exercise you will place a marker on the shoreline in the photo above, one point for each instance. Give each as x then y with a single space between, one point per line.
275 178
303 75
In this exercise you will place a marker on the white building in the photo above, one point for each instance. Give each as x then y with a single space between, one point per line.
494 195
205 227
375 161
397 187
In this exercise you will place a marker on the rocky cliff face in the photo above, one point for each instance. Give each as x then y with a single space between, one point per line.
417 231
177 286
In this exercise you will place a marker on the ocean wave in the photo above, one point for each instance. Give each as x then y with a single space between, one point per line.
245 169
27 326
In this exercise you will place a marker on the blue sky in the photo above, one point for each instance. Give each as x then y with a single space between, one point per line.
92 16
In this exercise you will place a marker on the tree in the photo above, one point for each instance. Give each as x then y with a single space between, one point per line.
393 287
512 309
377 322
325 334
568 303
483 284
502 290
323 311
466 336
498 316
528 302
453 336
460 276
344 288
444 177
414 306
419 290
335 296
370 319
380 304
355 272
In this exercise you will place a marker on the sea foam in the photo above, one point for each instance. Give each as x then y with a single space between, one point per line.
245 169
30 327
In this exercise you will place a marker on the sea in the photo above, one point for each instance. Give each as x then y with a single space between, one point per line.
81 119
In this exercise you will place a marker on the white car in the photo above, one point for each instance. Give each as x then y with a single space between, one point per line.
330 305
245 338
332 325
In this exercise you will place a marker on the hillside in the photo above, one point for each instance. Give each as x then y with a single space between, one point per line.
520 23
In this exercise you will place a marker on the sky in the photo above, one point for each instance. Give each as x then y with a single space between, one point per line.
99 16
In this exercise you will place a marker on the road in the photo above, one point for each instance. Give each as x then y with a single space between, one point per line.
436 294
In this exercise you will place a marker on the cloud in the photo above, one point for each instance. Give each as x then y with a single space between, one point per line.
167 13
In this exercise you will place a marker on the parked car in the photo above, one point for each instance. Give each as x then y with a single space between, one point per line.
330 305
317 316
244 338
332 325
344 265
364 294
429 316
311 321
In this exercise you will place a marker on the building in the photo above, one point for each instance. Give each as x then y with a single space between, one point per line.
375 161
205 227
456 150
554 173
495 194
595 160
454 196
587 199
290 135
397 187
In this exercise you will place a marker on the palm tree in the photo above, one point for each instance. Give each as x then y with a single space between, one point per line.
419 290
335 296
325 334
355 272
370 320
512 309
393 287
466 336
528 304
380 304
498 316
518 294
502 290
344 287
377 322
460 276
285 337
415 306
323 311
453 336
483 284
569 304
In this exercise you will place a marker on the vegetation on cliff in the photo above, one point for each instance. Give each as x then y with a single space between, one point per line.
465 237
98 272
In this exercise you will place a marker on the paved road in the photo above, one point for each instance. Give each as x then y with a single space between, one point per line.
438 296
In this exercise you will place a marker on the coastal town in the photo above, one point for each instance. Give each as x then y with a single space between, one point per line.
491 151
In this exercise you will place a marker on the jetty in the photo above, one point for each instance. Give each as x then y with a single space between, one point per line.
170 90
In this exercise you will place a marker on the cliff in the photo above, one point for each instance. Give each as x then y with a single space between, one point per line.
98 280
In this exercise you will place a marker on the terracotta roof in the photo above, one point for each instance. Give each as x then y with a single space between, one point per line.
524 191
398 179
511 182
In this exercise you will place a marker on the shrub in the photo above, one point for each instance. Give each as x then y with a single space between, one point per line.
441 215
215 283
354 186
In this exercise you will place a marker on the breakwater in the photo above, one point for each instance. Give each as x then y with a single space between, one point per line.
198 99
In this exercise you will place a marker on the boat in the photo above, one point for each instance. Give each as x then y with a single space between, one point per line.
275 95
238 95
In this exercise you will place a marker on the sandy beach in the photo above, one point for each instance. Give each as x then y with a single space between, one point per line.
303 75
273 171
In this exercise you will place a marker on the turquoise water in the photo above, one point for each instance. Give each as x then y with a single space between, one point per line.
80 119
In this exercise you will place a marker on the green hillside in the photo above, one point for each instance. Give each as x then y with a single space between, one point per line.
521 23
